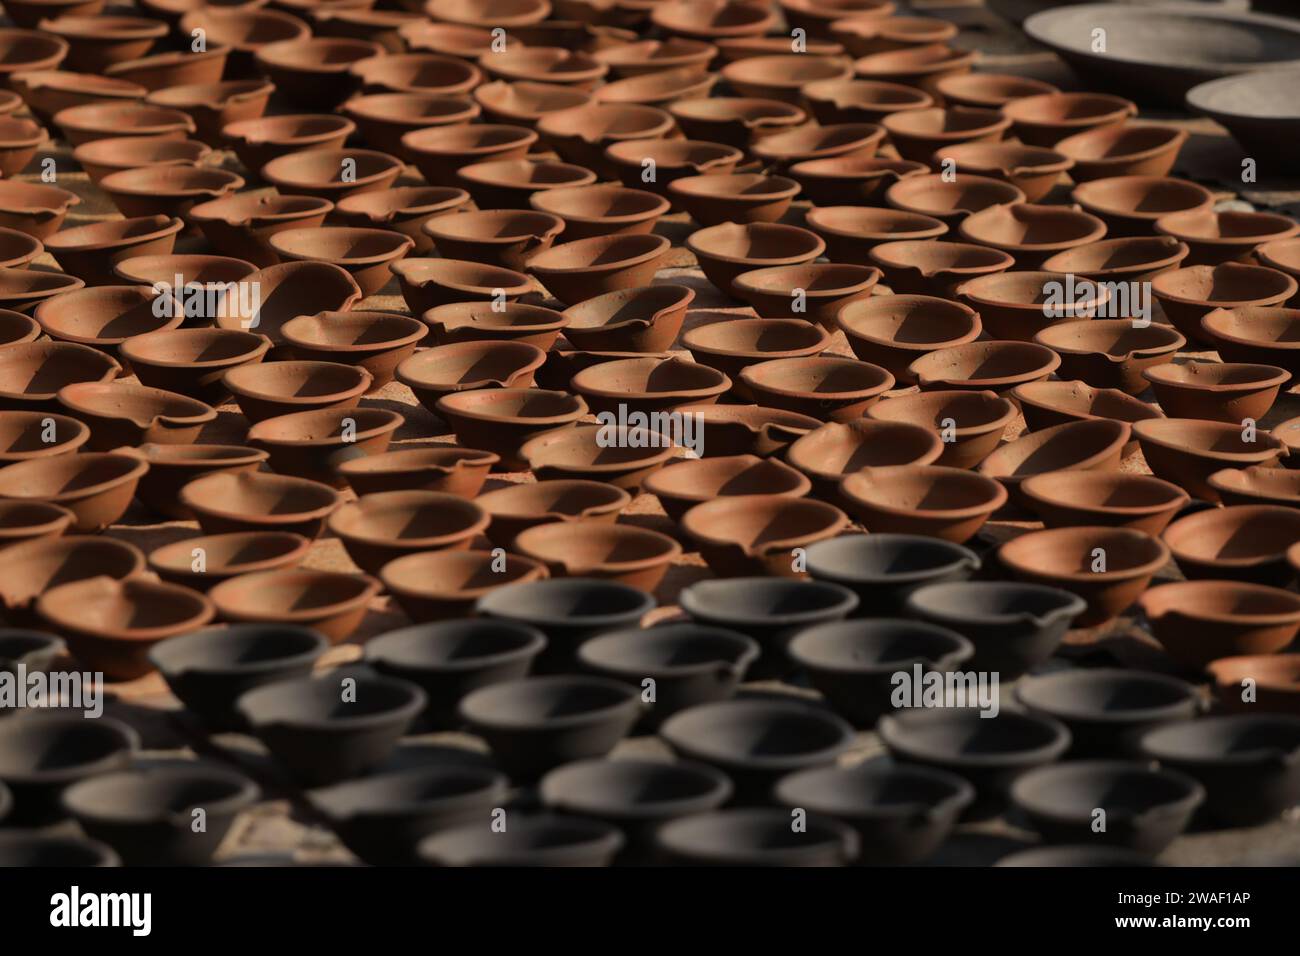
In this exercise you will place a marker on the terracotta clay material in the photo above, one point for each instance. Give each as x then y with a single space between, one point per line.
755 534
732 345
387 525
781 77
1017 306
17 329
258 142
244 28
172 467
440 151
726 251
934 268
1189 294
313 444
581 270
808 143
524 103
673 159
920 66
624 458
96 487
861 101
863 35
17 249
33 567
503 420
978 419
831 182
1216 391
121 413
1257 485
214 106
825 387
826 289
464 366
240 224
1029 233
1134 259
416 73
984 366
34 209
23 434
682 485
197 285
918 134
644 57
483 321
332 174
265 390
545 65
288 290
22 290
989 90
1276 677
1130 150
893 331
882 569
19 141
851 232
648 385
749 429
1236 543
1186 452
192 362
367 255
252 501
444 586
90 252
1046 119
315 73
326 601
504 238
403 209
458 471
48 92
1031 169
1091 445
737 122
1131 205
1045 404
518 507
428 283
713 19
374 341
1281 254
41 757
590 211
31 521
717 198
644 319
384 118
1110 353
510 183
169 69
92 121
837 449
1288 433
1201 621
32 373
1217 237
637 557
930 500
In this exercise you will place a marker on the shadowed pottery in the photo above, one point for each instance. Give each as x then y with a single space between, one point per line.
458 471
97 487
367 255
374 341
32 520
404 209
624 457
836 449
256 501
638 557
682 485
851 232
920 134
726 251
33 567
1110 353
1276 680
380 527
1016 306
506 420
258 142
1257 485
754 837
1236 543
104 156
931 500
951 200
748 429
481 320
122 414
882 569
1189 294
760 534
1217 237
266 390
577 271
106 316
648 385
519 506
199 563
825 387
1047 404
1046 119
441 585
841 179
977 420
731 345
329 602
644 319
172 467
241 223
718 198
1089 445
313 444
1201 621
934 268
894 331
1256 335
42 754
1070 498
1186 452
465 366
503 237
549 841
1033 170
23 435
1131 205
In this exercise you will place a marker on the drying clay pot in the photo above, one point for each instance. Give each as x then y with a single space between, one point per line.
1111 353
511 183
313 444
645 319
384 118
288 290
682 485
253 501
851 232
1255 335
984 366
40 756
648 385
1131 205
782 150
549 841
367 255
815 291
581 270
464 366
504 237
403 209
332 174
969 424
781 77
214 106
199 563
258 142
329 602
457 471
387 525
882 569
96 487
1217 237
517 507
240 223
1236 543
986 90
734 344
22 290
374 341
1257 485
439 151
120 413
637 557
506 420
590 211
446 585
931 500
753 837
29 369
921 134
24 434
192 362
525 103
34 209
894 331
935 268
921 66
31 521
267 389
749 429
90 252
735 121
106 316
167 190
1046 119
1188 295
717 198
1134 149
1071 498
315 73
1201 621
1275 678
1031 234
760 534
100 120
1217 391
33 567
1186 452
1132 259
1045 404
836 449
1088 445
673 159
1031 169
951 198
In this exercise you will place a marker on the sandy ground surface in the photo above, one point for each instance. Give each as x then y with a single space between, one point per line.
276 831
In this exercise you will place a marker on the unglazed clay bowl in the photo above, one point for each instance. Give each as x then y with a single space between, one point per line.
726 251
33 567
239 224
1274 679
931 500
506 420
1110 353
468 365
243 27
386 525
921 66
1255 335
22 290
511 183
97 487
734 344
384 118
367 255
864 33
1216 237
749 429
439 151
823 387
735 121
122 413
167 190
49 92
815 291
313 444
515 322
501 237
759 534
672 159
1031 169
35 434
882 569
90 252
202 562
715 198
266 389
192 362
648 385
836 449
1186 451
518 507
1131 205
1088 445
314 73
984 366
1072 498
253 501
861 101
172 467
951 198
1282 255
258 142
644 319
1236 543
638 557
754 837
651 56
28 370
713 19
1189 294
894 331
524 103
970 424
330 602
287 290
781 77
17 329
1217 391
446 585
1045 404
581 270
596 210
987 90
851 232
214 106
374 341
42 756
1031 233
332 174
782 150
104 317
682 485
1133 149
935 268
1197 622
458 471
1046 119
537 840
1257 485
92 121
1131 259
32 520
921 134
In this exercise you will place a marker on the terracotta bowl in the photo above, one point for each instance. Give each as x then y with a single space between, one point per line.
658 89
1032 234
524 103
644 319
808 143
1111 353
31 374
240 224
651 56
510 183
851 232
374 341
329 602
173 68
332 174
984 366
734 121
682 485
315 73
265 390
969 424
290 289
1217 391
1049 403
123 413
1067 558
1216 237
502 420
1276 679
17 249
1236 543
383 526
104 317
893 331
920 66
17 329
167 190
90 252
713 19
815 291
214 106
19 141
416 73
1094 445
1281 254
403 209
1133 259
843 179
1288 434
623 458
517 507
1085 498
951 199
34 209
782 77
825 387
464 366
672 159
748 429
225 556
1017 306
192 362
96 487
365 254
734 197
258 142
759 534
31 521
33 567
1186 452
637 557
22 290
504 237
47 92
726 251
384 118
1031 169
1131 205
439 151
252 501
313 444
1257 485
457 471
243 27
542 64
1048 118
581 270
861 101
922 135
1190 294
935 268
429 283
445 586
23 435
938 502
733 345
1134 149
92 121
172 467
481 321
988 90
1198 622
648 385
590 211
837 449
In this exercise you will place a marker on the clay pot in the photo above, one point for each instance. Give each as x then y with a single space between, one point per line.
438 152
510 183
265 390
808 143
214 106
753 837
192 362
824 387
1138 259
646 57
442 585
95 487
1046 119
1029 233
37 210
21 290
91 252
332 174
31 521
934 268
104 317
1188 295
540 64
748 429
416 73
92 121
458 471
537 723
783 76
317 741
254 501
648 385
826 287
863 35
673 160
1286 433
315 73
1254 335
929 500
47 92
33 567
25 50
40 757
1236 543
541 840
1275 677
726 251
1131 205
23 434
165 70
242 28
1186 452
735 344
17 249
313 444
384 118
864 179
861 101
1128 150
34 650
504 238
1257 485
581 270
832 451
329 602
1111 353
881 569
257 142
894 331
28 369
110 625
1045 404
984 366
758 534
384 526
970 422
429 283
589 211
1031 169
1201 621
524 103
367 255
19 141
713 19
518 507
403 209
469 365
921 134
374 341
196 286
1223 392
920 66
241 223
628 555
172 467
1246 764
1282 255
226 556
851 232
644 319
717 198
121 413
988 90
682 485
17 329
1017 306
737 122
1089 445
505 420
951 199
288 290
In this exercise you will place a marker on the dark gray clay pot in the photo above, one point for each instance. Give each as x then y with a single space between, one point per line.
1249 764
6 802
901 814
147 814
34 650
883 569
536 724
567 611
319 738
383 818
770 610
754 836
209 669
1107 708
450 659
690 664
41 754
1078 856
1145 807
48 850
526 841
853 662
1014 627
989 752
